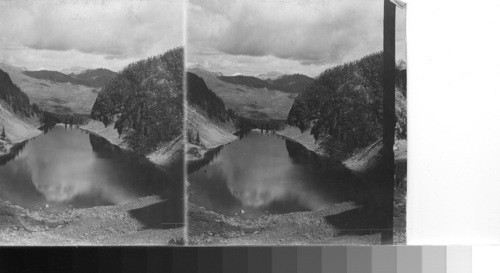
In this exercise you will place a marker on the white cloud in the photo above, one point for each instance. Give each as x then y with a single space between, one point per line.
110 32
302 35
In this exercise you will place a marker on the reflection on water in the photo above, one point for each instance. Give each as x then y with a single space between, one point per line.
68 166
266 173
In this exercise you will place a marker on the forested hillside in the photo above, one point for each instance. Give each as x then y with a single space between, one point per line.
209 124
198 94
14 97
343 106
18 118
144 101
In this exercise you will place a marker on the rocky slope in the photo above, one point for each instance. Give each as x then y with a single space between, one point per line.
103 225
211 133
18 118
296 228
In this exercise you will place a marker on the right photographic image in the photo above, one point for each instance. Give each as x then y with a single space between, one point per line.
296 122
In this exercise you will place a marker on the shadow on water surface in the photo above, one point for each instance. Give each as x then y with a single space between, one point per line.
161 215
13 153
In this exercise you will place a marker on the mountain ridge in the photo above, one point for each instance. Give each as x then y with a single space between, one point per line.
273 75
53 76
89 77
292 83
98 77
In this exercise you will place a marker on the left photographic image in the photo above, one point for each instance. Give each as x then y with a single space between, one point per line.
91 120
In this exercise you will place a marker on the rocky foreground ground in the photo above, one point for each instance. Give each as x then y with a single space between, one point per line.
104 225
297 228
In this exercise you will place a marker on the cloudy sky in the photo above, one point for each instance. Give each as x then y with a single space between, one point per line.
60 34
293 36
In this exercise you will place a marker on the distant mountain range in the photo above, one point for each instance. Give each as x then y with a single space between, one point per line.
290 83
52 76
270 75
73 70
90 77
94 77
286 83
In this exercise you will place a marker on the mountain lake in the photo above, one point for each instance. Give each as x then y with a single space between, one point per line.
263 174
67 167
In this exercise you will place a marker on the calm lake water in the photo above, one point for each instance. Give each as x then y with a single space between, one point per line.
268 174
68 167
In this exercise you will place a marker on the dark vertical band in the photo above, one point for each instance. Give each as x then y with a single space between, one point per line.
389 117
